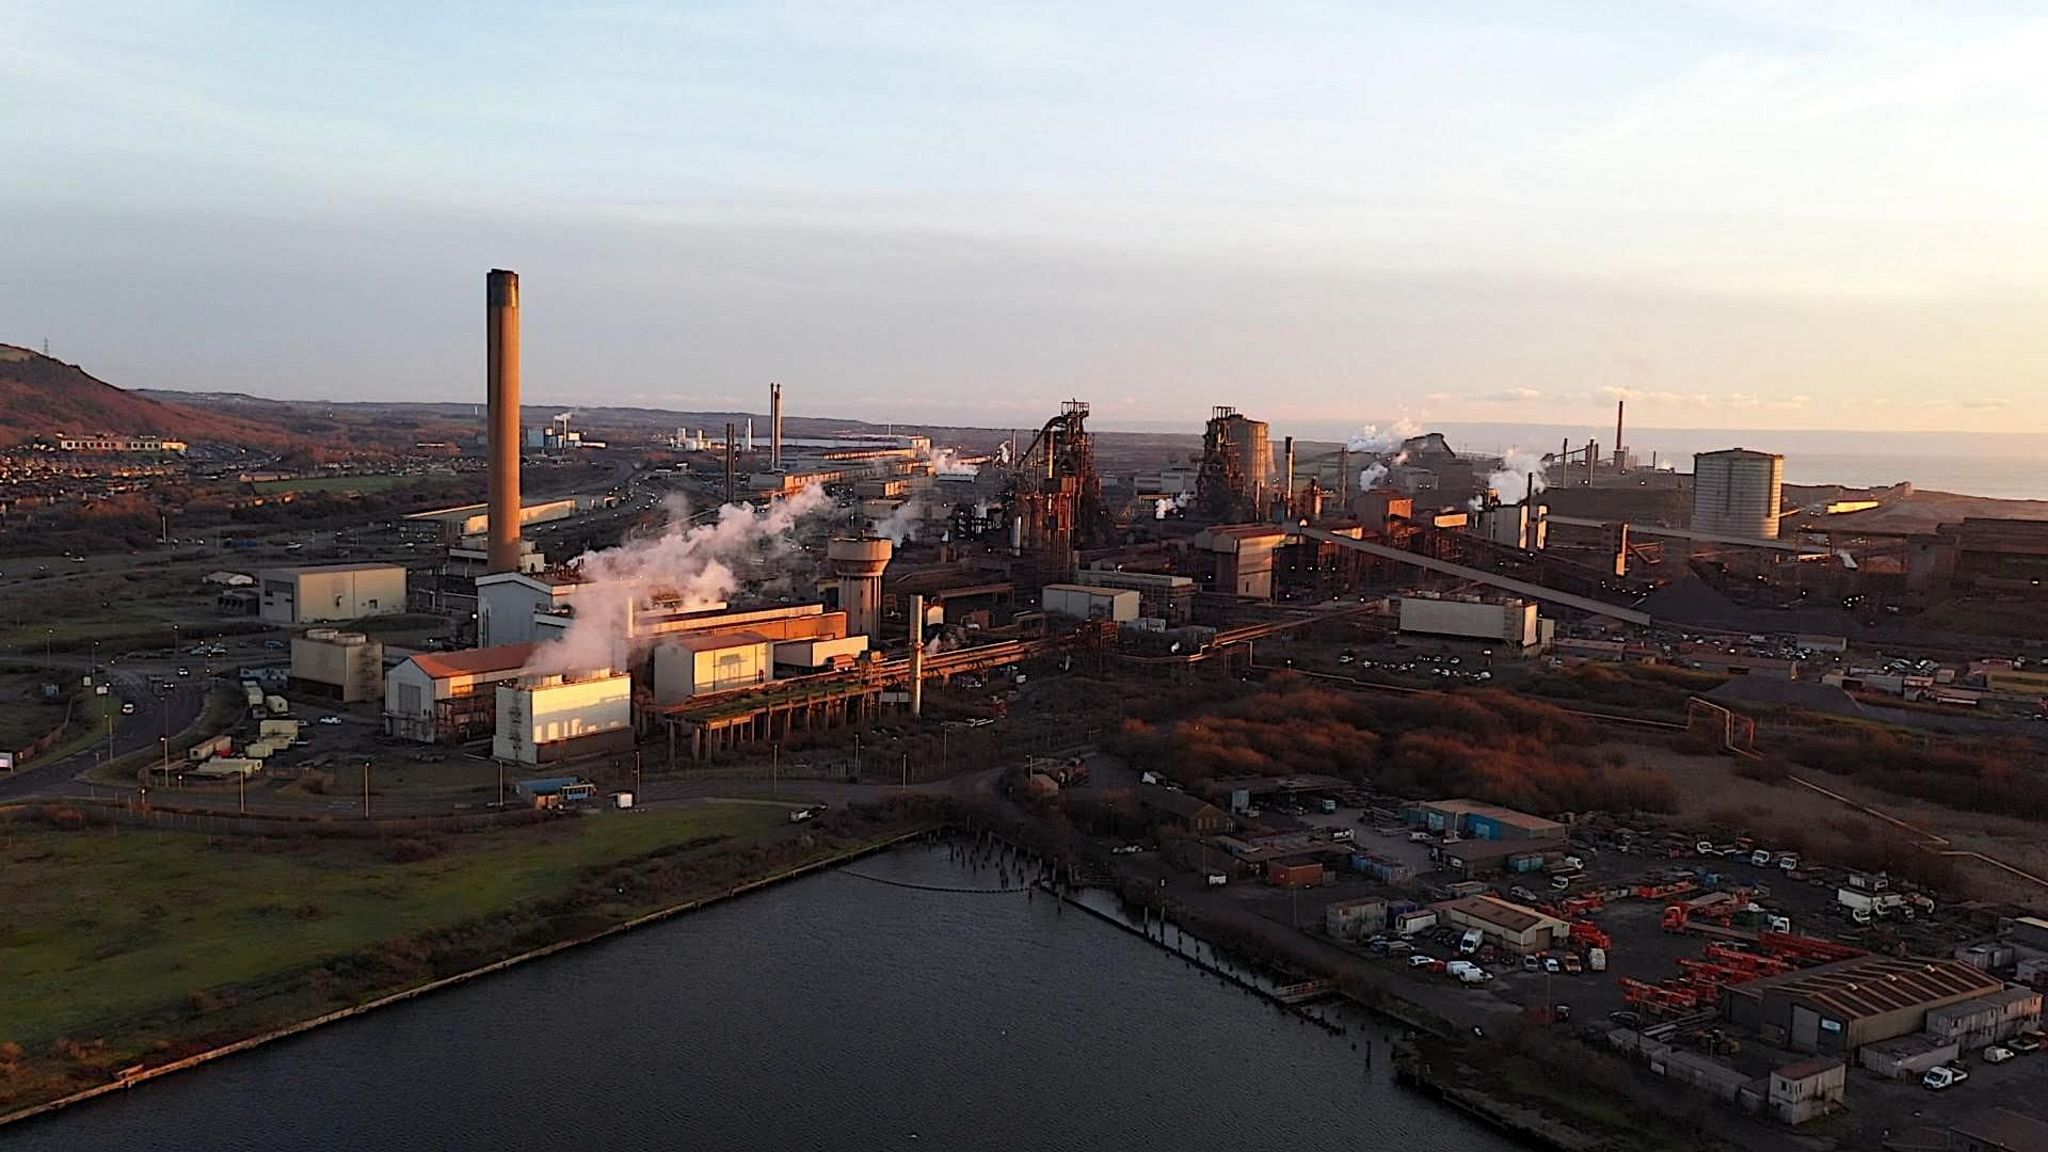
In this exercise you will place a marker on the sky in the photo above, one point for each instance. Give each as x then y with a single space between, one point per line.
1737 213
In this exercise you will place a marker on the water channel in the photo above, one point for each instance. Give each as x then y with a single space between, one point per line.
835 1012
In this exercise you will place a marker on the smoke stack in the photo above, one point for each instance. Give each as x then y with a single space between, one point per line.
732 492
1287 493
858 561
501 384
775 427
1529 516
917 655
1619 463
750 434
1344 477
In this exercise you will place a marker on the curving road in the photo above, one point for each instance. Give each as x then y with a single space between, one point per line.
153 718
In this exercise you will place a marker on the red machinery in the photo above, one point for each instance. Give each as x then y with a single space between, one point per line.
1587 934
1793 947
1666 890
1578 906
1658 997
1749 963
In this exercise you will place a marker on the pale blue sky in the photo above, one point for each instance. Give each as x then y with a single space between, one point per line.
1744 213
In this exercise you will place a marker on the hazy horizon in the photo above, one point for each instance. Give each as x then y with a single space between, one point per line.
1734 213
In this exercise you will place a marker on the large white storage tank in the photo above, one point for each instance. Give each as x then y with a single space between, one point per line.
549 717
1737 492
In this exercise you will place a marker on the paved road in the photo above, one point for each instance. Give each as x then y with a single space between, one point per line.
154 717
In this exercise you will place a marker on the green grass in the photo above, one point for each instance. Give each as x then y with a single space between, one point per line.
335 484
105 926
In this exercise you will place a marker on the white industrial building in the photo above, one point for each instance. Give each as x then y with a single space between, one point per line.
327 593
548 718
474 520
1515 525
344 666
685 666
508 602
1509 622
824 653
1737 492
436 697
1082 602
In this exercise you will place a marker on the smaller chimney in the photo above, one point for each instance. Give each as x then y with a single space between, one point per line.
774 427
1620 462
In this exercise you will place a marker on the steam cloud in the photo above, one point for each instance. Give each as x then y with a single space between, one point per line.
1377 440
693 563
903 523
1165 505
1516 469
1370 476
947 462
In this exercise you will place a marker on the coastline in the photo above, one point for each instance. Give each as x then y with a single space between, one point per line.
130 1078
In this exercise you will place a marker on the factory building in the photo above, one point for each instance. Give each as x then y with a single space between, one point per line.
1238 559
1237 466
1838 1008
1515 525
1509 927
344 666
1476 821
450 525
1737 492
327 593
686 666
542 719
1507 621
1160 596
507 604
445 697
824 654
1081 602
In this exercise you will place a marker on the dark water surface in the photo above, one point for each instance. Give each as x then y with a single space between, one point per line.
830 1013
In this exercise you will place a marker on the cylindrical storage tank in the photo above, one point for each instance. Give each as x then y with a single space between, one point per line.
1737 492
859 563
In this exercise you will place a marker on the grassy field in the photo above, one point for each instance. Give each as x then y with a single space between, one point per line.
336 484
105 926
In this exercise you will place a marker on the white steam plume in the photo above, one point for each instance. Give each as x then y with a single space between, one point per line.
1371 476
1516 469
1164 505
1375 439
947 462
693 564
901 524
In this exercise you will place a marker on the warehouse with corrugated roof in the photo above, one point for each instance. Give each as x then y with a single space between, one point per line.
1840 1007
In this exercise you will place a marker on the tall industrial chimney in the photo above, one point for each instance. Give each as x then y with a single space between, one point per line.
775 427
501 383
917 656
732 491
1620 461
1287 489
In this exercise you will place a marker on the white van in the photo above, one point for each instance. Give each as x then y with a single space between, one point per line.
1469 943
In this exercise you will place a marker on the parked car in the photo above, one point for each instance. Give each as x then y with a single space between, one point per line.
1399 947
2024 1042
1998 1054
329 720
127 707
1420 961
1947 1076
1551 965
1532 963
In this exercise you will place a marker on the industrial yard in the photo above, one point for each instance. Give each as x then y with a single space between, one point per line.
1570 756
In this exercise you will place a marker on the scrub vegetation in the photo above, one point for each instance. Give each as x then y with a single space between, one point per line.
1490 745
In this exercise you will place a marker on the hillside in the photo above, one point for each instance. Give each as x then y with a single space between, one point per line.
40 396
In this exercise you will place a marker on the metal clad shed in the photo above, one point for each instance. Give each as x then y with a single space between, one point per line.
1986 1020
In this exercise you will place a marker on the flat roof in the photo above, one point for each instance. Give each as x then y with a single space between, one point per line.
2004 1128
715 641
303 569
1874 985
1807 1068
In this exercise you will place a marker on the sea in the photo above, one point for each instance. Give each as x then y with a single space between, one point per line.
2005 466
859 1010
